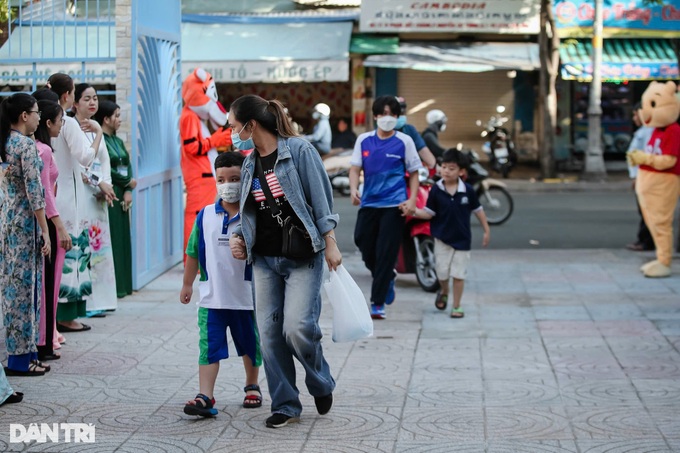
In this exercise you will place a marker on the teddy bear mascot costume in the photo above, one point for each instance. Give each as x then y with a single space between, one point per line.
658 181
198 146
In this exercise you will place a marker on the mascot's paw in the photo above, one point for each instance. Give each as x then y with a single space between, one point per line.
644 267
657 270
636 158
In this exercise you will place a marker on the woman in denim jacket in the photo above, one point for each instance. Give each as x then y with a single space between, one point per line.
287 291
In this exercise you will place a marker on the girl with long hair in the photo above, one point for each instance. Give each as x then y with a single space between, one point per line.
49 127
283 182
24 236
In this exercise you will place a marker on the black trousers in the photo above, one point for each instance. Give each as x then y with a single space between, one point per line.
378 234
49 313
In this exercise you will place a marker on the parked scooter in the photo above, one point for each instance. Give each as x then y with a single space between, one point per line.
337 166
499 148
491 193
416 254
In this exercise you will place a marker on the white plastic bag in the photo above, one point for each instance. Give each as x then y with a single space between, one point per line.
351 319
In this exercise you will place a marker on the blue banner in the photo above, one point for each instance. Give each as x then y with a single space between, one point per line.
622 71
630 18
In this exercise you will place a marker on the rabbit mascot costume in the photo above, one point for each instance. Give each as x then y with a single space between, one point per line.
198 146
658 181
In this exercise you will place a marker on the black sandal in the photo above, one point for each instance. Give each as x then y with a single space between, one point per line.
441 300
38 363
201 405
252 401
15 397
32 371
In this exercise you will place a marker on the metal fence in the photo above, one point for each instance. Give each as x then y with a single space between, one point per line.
77 37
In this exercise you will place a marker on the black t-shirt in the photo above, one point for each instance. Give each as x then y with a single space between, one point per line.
268 232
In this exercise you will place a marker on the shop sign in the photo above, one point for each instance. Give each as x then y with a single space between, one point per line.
622 71
629 18
23 74
273 71
490 16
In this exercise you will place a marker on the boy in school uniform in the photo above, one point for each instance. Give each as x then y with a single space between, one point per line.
226 292
449 206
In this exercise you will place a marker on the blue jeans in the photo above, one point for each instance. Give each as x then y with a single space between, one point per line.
288 305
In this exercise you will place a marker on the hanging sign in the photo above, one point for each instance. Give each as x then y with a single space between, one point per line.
629 18
273 71
490 16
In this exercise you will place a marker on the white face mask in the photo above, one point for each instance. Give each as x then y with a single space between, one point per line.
387 123
229 191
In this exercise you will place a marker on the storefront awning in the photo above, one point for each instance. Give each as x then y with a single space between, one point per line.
371 44
250 53
622 59
461 57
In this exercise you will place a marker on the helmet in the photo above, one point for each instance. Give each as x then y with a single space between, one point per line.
434 116
323 109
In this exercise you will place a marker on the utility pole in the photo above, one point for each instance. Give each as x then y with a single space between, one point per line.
594 162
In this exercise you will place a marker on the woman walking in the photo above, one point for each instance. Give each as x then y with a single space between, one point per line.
24 237
284 183
108 116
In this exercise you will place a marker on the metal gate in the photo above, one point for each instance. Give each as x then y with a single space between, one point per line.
156 104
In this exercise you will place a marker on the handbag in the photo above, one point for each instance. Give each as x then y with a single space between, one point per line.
296 241
351 319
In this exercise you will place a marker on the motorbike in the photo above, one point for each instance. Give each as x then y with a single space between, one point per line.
416 254
337 167
491 193
499 147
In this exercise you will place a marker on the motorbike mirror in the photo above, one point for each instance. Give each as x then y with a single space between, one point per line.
478 122
500 109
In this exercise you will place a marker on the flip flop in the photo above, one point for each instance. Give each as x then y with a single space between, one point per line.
63 328
441 300
457 313
32 371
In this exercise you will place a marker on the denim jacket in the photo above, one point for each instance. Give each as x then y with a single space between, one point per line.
305 183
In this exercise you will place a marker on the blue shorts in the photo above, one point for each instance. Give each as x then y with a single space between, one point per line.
212 330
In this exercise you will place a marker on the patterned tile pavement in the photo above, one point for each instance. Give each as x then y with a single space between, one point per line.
559 351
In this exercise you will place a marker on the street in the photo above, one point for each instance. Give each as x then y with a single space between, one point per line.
559 220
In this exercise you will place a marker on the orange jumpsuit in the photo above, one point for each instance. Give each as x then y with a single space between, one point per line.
198 177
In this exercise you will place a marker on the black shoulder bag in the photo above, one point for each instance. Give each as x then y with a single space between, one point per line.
297 244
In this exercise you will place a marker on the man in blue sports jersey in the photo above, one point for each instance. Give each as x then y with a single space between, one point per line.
384 155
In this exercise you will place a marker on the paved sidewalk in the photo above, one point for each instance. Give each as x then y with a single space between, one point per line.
559 351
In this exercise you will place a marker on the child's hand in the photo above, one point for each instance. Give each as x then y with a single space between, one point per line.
486 238
186 293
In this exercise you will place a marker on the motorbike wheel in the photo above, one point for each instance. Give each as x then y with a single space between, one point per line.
425 270
497 203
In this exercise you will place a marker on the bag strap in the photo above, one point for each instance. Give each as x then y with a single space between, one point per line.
276 211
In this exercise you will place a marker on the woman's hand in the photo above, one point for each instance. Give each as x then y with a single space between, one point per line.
65 241
90 126
238 247
127 201
109 194
47 247
333 255
132 184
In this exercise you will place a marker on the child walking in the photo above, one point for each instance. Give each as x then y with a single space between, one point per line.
226 292
449 205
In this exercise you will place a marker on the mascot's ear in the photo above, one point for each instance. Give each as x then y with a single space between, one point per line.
670 87
201 74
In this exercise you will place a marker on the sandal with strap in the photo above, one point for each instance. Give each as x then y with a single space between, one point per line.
441 300
201 405
32 371
252 401
38 363
457 313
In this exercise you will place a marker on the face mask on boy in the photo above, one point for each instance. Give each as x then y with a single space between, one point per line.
387 123
229 192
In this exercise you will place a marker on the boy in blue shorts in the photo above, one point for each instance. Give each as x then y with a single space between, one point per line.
449 206
226 292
